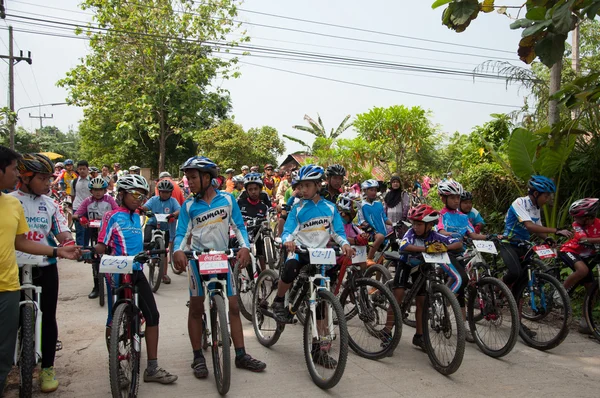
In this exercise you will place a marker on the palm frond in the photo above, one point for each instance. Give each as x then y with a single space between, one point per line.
341 128
317 129
299 141
511 73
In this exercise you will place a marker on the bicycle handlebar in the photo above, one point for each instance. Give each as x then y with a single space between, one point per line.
192 254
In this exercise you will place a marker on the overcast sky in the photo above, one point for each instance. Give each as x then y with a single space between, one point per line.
280 99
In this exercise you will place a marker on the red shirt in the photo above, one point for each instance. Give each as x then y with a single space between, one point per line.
573 245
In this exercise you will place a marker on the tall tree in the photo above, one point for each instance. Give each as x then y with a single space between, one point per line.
149 72
323 140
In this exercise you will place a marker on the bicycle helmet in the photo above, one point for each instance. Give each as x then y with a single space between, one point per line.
310 172
423 213
59 164
33 163
134 168
132 181
584 207
369 184
466 195
94 170
253 178
97 183
541 184
244 167
347 202
335 170
254 169
268 166
229 171
202 164
164 185
447 188
68 162
164 174
237 179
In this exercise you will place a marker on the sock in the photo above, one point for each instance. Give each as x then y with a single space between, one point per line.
152 366
418 335
198 354
278 299
240 352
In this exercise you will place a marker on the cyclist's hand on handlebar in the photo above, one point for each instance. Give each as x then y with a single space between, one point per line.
180 260
565 233
348 251
84 221
436 247
290 246
71 252
550 242
243 257
171 218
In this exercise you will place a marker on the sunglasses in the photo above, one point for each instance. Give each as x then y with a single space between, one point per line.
136 195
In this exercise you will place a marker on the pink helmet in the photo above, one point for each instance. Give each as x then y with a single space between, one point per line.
584 207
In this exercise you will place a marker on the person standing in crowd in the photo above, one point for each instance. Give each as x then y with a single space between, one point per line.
268 180
177 193
254 169
65 178
135 170
245 170
283 186
396 201
79 192
426 186
106 177
229 185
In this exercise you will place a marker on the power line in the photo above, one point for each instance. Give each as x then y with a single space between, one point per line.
37 87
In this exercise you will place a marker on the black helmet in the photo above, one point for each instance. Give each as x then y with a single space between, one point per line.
466 195
335 170
32 163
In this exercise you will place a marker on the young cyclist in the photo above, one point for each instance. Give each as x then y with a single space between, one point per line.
80 191
311 223
417 239
577 252
347 205
206 218
163 203
334 175
372 214
121 231
238 186
466 206
46 222
251 207
94 208
66 177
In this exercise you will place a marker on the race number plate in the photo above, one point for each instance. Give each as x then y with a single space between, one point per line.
213 263
28 259
437 258
321 256
361 254
544 251
485 246
161 217
95 223
117 264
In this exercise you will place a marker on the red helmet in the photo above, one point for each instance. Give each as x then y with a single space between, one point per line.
584 207
423 213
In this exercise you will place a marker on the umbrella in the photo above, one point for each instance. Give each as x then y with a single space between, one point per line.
52 155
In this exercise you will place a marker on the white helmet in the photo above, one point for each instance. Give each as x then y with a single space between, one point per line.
134 168
164 174
347 201
369 184
253 178
133 181
447 188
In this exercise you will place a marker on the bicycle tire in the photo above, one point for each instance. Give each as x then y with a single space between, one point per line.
269 252
101 290
338 313
123 319
377 269
383 296
591 303
27 354
157 268
266 329
564 317
448 300
221 343
492 292
240 276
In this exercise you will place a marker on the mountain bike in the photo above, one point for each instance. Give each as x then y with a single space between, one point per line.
156 265
325 330
260 230
245 282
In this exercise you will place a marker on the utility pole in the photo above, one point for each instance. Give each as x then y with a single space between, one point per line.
41 117
555 74
575 62
12 61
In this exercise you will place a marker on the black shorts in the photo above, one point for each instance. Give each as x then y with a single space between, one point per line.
571 258
403 273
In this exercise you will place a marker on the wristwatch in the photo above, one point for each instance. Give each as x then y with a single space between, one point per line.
54 252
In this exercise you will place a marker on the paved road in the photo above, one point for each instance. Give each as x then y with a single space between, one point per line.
572 369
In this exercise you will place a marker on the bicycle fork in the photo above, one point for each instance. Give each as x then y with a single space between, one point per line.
312 304
27 285
207 304
530 282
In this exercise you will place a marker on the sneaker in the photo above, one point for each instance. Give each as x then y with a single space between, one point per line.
159 376
48 382
200 369
557 299
583 327
166 279
370 262
468 335
528 331
418 341
249 363
321 357
280 312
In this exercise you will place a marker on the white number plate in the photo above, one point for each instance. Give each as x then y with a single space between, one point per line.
117 264
544 251
361 254
213 263
436 258
28 259
485 246
95 223
322 256
161 217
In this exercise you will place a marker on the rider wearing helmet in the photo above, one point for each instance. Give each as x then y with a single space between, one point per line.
371 215
204 223
251 205
135 170
347 204
177 193
229 184
334 176
94 171
58 167
46 222
66 177
466 206
238 185
268 180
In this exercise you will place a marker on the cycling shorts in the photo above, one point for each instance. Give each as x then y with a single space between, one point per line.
571 258
195 281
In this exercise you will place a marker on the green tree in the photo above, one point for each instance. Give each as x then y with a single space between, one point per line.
323 140
47 139
147 79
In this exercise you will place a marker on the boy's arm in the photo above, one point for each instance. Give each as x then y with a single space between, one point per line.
28 246
339 235
82 210
291 226
183 226
237 223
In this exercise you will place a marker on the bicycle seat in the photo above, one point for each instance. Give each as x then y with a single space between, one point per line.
394 256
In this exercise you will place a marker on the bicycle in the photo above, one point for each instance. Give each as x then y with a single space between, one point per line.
214 267
98 276
311 289
156 265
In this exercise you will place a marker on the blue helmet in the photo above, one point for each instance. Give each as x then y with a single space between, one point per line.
541 184
69 162
253 178
310 172
202 164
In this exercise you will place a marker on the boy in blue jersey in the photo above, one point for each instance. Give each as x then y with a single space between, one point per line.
204 222
372 214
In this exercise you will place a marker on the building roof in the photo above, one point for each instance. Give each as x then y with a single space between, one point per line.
294 160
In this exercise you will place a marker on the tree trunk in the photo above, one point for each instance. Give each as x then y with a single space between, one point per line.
162 141
555 73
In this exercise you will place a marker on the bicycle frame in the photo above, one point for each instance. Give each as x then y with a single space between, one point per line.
28 286
130 295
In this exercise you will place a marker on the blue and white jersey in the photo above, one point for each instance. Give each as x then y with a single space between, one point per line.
208 224
312 224
374 214
521 210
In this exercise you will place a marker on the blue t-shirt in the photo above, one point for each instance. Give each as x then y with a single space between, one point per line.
454 222
158 206
475 217
374 214
121 230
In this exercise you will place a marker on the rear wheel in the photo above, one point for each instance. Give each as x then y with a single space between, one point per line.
124 360
101 295
267 330
244 283
156 266
591 310
220 344
26 339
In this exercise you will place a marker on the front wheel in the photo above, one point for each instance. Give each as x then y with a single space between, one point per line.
443 329
101 295
220 344
244 283
325 341
123 358
591 309
156 266
267 330
269 252
26 348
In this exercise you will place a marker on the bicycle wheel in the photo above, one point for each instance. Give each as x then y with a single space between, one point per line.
368 305
101 295
493 317
26 341
545 311
378 272
244 283
265 327
591 309
269 252
220 344
326 354
443 329
123 359
156 266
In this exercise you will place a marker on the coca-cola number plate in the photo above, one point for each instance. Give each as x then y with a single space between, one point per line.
213 263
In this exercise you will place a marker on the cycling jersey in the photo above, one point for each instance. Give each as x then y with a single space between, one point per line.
67 177
475 217
96 209
582 232
374 214
521 210
410 238
312 224
252 209
325 194
158 206
121 230
264 197
269 184
454 222
208 224
45 220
